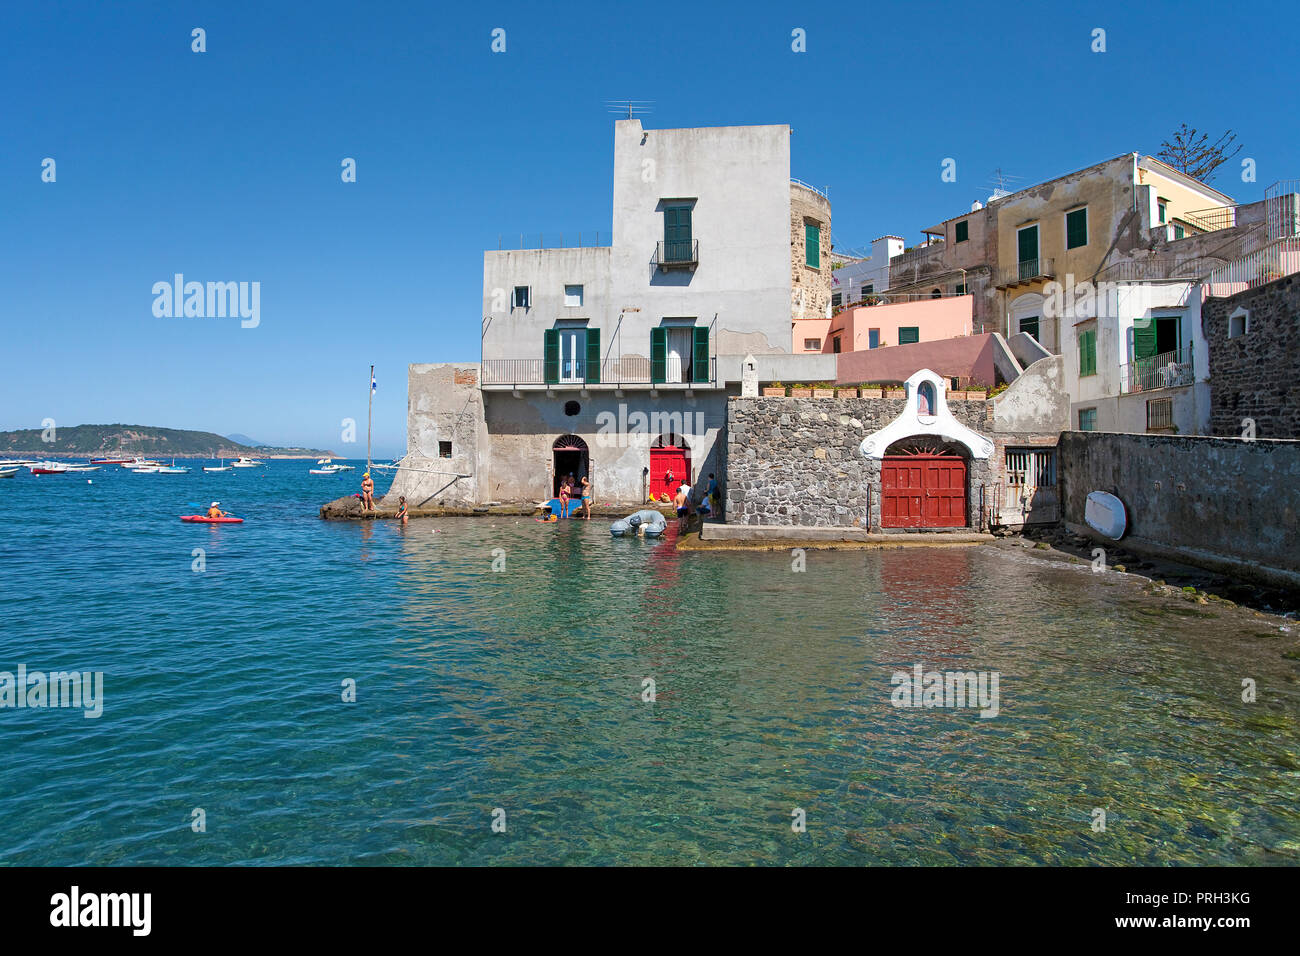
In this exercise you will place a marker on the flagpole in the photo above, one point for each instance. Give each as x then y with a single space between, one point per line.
370 415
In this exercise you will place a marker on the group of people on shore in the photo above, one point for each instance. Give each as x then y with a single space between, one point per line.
684 500
570 488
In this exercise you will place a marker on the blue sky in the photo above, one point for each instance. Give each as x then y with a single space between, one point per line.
225 165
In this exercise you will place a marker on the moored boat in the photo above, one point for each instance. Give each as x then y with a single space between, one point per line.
48 468
1106 514
243 462
8 472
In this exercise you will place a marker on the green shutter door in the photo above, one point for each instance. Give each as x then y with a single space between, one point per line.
700 360
551 356
1076 229
593 357
1027 252
658 355
1088 352
812 240
677 233
1144 339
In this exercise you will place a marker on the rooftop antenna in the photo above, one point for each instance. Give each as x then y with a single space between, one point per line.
632 108
1000 183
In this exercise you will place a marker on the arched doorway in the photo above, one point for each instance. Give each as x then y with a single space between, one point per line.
670 464
923 484
568 457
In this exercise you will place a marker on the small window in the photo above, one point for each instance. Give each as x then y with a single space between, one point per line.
521 298
1076 228
812 345
1163 207
1160 414
572 295
812 239
444 449
1087 352
1087 419
959 289
1238 323
909 335
572 408
1179 232
936 293
835 345
836 299
868 290
961 231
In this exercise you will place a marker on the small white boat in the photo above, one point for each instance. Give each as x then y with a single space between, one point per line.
243 462
83 467
330 470
222 467
146 470
135 463
48 468
172 469
20 462
1105 514
8 472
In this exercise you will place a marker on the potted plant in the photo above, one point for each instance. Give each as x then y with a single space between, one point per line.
775 390
895 391
800 391
823 390
842 392
871 391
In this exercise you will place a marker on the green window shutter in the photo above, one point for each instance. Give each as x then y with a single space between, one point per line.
961 231
1088 352
700 360
658 355
909 335
677 233
551 356
1076 228
812 240
1144 339
1027 244
593 357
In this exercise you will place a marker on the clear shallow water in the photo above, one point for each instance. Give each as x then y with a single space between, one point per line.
522 690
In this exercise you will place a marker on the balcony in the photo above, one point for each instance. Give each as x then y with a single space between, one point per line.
615 372
1166 370
677 254
1024 273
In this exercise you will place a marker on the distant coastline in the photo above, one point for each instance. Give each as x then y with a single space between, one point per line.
148 441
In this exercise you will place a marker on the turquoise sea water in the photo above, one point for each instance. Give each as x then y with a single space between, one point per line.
521 689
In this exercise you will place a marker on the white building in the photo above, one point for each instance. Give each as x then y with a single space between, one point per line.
1136 358
616 361
864 277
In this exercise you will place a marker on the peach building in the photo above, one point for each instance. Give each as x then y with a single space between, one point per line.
863 327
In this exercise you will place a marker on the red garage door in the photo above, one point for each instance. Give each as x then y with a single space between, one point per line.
675 458
923 491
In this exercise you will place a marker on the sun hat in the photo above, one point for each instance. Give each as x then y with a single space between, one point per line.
215 504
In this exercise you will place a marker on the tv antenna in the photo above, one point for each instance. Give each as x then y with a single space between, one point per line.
632 108
1001 181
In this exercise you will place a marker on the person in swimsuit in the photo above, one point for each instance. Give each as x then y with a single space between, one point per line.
367 493
683 504
214 511
586 497
565 491
401 509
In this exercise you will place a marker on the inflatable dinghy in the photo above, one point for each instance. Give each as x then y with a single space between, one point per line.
1105 514
652 522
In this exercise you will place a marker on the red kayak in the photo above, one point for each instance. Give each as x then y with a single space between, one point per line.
204 519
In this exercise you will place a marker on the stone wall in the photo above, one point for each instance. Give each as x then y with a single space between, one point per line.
810 289
1220 503
796 461
1256 375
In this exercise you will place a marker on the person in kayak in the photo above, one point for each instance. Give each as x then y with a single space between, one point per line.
214 511
367 493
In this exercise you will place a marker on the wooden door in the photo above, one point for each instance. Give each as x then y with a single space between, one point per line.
923 491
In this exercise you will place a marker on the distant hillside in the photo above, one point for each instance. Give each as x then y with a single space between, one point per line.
101 441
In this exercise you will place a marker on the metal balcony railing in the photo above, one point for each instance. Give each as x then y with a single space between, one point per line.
1166 370
614 371
1030 270
677 254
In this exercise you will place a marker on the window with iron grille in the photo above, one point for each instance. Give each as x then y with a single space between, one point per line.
1160 414
812 345
1036 466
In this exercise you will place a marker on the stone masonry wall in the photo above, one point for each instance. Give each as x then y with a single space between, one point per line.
1256 375
796 461
810 289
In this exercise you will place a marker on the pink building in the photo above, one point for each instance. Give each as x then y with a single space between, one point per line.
865 327
969 359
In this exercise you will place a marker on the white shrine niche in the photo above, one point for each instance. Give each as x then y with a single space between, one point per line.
749 377
926 413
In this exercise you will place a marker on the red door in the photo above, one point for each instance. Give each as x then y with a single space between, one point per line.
662 460
923 491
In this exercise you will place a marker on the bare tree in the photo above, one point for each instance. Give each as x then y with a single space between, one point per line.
1191 152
